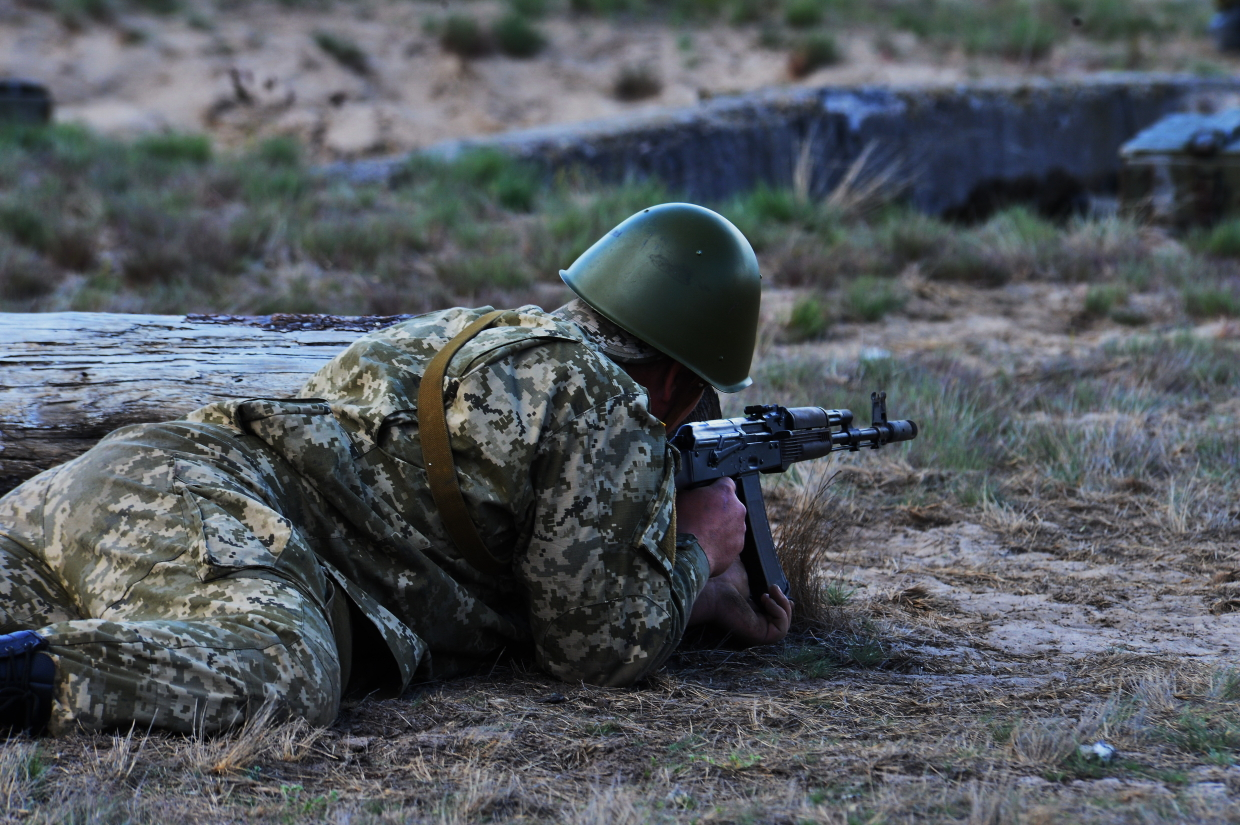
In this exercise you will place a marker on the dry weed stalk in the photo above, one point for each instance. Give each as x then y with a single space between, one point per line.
613 805
993 803
857 193
803 171
234 751
805 539
119 762
484 795
1178 516
19 773
1154 695
295 739
1044 741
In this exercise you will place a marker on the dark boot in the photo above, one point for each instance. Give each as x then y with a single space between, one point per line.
26 675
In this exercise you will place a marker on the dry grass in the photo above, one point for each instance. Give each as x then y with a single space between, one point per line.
1084 480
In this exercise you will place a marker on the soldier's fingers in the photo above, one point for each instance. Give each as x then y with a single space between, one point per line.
779 609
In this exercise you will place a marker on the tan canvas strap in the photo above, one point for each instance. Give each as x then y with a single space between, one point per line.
437 453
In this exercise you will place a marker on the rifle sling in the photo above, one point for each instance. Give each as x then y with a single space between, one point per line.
437 453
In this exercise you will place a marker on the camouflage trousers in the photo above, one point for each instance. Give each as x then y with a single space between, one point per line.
174 588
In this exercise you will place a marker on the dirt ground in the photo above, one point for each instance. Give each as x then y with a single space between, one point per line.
255 70
968 654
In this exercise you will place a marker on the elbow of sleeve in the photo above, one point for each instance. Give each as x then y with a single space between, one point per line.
612 644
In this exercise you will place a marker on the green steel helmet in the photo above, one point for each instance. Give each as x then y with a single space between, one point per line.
684 280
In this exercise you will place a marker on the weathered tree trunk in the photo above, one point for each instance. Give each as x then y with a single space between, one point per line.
69 378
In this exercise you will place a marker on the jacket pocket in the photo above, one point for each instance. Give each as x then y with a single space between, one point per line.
236 532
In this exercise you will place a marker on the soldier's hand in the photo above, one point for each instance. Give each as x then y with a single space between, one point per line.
716 517
725 603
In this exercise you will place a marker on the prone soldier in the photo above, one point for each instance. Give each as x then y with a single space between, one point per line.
460 487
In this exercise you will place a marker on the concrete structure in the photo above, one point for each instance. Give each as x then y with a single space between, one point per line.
953 148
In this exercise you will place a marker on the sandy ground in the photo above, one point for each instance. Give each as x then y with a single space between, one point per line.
256 71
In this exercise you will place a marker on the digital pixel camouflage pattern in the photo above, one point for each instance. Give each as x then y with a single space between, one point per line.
184 571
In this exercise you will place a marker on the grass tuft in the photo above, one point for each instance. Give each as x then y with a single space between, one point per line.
517 37
803 14
870 299
806 538
808 320
636 82
814 52
176 148
1103 300
1211 301
465 36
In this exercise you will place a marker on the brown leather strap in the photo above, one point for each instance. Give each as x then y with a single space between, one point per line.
437 453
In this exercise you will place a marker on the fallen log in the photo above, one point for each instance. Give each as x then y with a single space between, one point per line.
69 378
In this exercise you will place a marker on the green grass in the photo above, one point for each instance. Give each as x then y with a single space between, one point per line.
1015 29
1223 239
802 14
1104 299
813 52
808 319
1211 301
871 299
517 37
169 224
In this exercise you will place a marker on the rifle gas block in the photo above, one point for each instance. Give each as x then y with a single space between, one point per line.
770 439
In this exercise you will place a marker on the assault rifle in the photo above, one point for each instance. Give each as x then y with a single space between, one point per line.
770 439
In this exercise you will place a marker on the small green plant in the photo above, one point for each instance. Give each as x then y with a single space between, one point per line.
809 661
1211 301
298 805
199 21
604 729
803 14
517 37
176 148
747 11
529 8
517 188
281 151
837 593
871 299
1213 734
1223 239
970 262
1225 684
515 185
743 760
344 51
1102 300
636 82
813 52
1025 38
464 36
867 651
808 319
25 275
766 203
25 225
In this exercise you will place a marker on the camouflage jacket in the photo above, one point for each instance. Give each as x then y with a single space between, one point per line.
566 474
